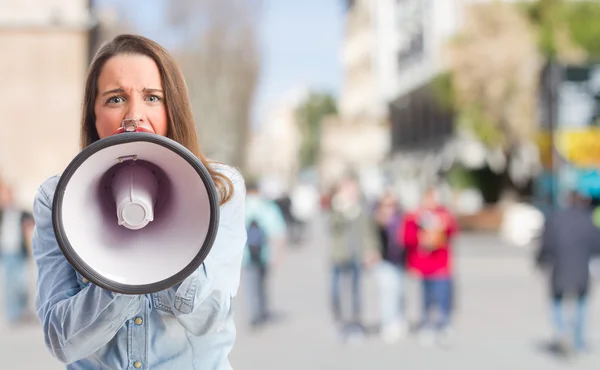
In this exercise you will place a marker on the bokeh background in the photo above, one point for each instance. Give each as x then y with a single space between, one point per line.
495 102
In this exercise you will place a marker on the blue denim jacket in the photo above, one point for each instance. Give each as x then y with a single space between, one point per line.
189 326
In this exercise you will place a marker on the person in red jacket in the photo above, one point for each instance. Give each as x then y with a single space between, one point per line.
427 234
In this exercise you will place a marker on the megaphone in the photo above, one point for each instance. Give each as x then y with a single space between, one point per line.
135 213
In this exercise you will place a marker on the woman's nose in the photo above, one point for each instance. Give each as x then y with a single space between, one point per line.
136 113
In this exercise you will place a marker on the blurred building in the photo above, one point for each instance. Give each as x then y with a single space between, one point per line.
274 146
412 36
389 116
42 70
391 51
357 139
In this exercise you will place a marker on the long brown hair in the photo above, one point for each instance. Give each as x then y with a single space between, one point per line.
180 126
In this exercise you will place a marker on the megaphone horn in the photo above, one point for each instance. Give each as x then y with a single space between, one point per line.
135 213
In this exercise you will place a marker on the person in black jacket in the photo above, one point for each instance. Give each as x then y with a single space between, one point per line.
569 241
389 264
15 231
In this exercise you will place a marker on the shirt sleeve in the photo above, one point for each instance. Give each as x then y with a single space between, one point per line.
202 302
76 322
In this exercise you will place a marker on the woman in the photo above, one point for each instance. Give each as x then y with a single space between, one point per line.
389 268
189 326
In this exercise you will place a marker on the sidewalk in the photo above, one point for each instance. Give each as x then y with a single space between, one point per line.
501 322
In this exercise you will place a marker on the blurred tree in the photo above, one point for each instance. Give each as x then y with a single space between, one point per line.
217 47
443 90
494 66
495 92
584 27
309 116
566 30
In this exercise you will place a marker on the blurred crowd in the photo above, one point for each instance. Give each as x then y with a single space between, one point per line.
379 237
364 235
375 236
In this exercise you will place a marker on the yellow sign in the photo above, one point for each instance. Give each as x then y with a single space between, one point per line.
579 147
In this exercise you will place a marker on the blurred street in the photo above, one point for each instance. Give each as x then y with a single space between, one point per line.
402 121
502 320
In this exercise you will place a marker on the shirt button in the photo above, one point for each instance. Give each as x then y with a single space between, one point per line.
137 364
85 281
138 321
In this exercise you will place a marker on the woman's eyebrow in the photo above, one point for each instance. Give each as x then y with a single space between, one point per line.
119 90
150 90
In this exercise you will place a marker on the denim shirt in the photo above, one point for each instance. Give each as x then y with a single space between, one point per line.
189 326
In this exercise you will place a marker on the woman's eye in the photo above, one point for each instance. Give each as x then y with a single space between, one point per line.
115 100
153 98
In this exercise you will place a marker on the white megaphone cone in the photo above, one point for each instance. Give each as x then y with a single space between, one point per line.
135 213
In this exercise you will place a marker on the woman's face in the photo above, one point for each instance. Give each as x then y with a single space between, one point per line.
130 87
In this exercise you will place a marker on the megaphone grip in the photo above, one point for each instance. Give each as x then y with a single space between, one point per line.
134 189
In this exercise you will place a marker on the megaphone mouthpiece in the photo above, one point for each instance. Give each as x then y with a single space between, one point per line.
134 189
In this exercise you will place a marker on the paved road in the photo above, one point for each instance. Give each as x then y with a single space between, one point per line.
501 322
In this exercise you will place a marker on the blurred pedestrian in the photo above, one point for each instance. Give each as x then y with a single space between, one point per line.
427 234
388 267
266 230
15 230
352 240
569 241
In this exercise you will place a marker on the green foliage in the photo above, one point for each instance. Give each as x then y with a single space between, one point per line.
443 90
544 14
578 18
460 178
472 119
309 117
584 26
475 121
560 25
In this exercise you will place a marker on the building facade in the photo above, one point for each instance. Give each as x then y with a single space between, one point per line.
392 52
274 147
42 71
356 140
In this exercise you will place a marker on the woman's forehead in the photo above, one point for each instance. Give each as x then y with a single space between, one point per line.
130 71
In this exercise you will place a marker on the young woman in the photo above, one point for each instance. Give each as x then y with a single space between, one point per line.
189 326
